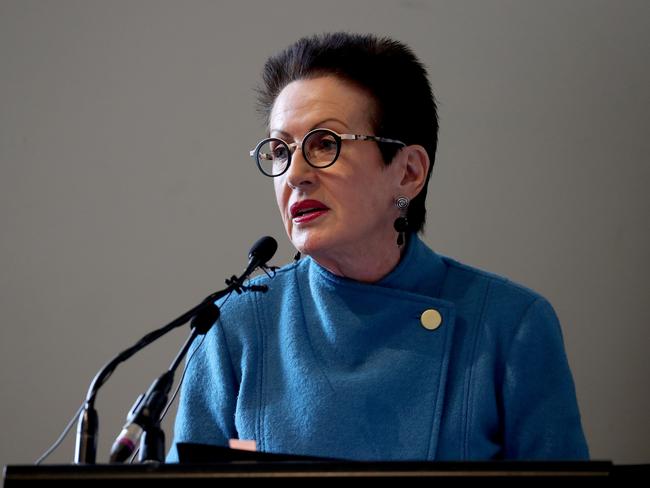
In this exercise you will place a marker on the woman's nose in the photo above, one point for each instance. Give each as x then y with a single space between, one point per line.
300 173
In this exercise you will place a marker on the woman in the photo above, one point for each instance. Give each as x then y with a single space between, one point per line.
372 346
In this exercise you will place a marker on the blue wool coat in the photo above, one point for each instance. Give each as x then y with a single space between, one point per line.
325 366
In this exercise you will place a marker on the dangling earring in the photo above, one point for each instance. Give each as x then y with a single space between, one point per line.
401 224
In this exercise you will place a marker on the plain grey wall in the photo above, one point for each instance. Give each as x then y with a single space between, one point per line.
127 194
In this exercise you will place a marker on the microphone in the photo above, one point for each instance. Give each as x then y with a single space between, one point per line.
144 417
261 252
144 414
126 441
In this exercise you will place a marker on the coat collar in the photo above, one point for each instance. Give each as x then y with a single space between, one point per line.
420 271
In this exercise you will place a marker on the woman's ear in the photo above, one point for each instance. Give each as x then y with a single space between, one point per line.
415 168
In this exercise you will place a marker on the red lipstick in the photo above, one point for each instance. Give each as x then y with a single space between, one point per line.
307 210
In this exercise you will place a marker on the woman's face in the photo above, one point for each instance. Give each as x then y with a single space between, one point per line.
354 197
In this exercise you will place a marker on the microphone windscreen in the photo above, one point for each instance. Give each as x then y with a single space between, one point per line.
263 250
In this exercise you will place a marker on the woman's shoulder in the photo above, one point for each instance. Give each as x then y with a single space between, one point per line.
500 305
498 287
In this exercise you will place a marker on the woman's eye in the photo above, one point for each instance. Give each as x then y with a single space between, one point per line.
280 152
327 144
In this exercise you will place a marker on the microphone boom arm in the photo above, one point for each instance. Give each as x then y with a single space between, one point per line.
88 425
86 442
144 417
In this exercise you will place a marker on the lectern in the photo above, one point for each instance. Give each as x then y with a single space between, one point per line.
213 466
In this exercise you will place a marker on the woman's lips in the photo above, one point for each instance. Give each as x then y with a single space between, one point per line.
307 210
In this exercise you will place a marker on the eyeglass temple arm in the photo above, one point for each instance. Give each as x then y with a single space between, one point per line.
359 137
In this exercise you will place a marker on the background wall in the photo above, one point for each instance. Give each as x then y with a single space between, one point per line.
127 193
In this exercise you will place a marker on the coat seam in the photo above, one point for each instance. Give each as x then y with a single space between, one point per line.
308 335
472 361
221 331
440 393
260 374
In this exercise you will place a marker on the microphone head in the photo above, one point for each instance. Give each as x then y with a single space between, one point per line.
263 250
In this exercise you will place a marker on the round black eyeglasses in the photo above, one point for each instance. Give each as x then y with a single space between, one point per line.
320 148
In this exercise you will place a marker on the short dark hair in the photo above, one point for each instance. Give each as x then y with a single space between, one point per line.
387 69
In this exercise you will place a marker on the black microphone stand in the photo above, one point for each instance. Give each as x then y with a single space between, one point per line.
88 425
150 408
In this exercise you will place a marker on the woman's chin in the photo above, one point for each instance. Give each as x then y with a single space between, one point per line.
310 243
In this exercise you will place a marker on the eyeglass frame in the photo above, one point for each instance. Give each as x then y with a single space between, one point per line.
339 138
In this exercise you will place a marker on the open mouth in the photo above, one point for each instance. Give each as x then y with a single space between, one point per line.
308 211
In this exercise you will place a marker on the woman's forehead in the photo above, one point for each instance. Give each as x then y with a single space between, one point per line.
303 103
